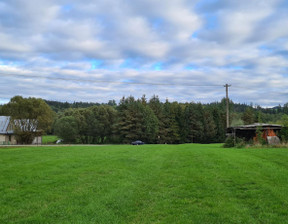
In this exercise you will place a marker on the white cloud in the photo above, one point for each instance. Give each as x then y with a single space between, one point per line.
243 43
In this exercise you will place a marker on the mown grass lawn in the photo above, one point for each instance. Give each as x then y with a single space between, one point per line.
143 184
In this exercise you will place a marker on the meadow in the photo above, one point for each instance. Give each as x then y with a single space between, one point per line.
189 183
49 139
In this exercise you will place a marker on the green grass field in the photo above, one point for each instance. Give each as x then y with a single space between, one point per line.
49 139
143 184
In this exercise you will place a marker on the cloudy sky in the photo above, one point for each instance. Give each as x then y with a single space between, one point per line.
183 50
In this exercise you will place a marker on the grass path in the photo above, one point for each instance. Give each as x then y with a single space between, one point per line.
143 184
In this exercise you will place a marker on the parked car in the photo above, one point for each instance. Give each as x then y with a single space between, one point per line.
138 142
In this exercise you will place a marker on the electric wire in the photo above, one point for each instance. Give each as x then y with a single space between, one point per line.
106 81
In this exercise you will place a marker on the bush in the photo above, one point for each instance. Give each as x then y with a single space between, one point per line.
259 137
229 142
284 134
238 142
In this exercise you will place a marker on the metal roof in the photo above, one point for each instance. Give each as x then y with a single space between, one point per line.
257 125
4 123
5 128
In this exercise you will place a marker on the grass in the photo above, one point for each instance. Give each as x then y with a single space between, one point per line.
49 139
143 184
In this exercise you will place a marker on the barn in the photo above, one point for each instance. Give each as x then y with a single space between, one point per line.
248 132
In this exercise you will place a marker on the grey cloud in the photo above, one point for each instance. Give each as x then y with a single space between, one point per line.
58 38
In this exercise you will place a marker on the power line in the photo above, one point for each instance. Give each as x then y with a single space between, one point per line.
105 81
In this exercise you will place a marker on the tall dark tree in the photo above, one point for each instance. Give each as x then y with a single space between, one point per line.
210 130
248 116
169 131
219 117
126 126
136 121
158 109
194 119
150 126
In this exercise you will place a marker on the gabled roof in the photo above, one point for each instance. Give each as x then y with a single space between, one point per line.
255 126
4 124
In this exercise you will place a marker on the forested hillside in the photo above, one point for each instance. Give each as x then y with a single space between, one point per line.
153 121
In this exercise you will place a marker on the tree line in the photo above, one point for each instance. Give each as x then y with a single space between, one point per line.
151 121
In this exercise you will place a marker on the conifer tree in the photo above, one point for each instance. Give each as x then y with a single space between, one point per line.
194 118
248 116
209 127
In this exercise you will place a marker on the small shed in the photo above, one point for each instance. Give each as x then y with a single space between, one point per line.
248 132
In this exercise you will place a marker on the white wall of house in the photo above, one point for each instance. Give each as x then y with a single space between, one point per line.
2 139
5 139
37 140
13 139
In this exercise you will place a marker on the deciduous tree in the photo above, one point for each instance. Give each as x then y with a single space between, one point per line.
30 117
67 129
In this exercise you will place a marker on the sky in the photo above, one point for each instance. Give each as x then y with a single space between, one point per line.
180 50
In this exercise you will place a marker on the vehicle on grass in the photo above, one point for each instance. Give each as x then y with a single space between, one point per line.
138 142
59 141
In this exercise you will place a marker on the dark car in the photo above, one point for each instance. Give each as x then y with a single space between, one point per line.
138 142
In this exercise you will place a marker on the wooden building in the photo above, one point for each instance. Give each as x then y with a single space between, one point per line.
249 132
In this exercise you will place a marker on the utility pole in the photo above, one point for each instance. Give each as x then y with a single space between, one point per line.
227 106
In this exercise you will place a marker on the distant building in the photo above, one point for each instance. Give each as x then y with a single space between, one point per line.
248 132
6 132
7 135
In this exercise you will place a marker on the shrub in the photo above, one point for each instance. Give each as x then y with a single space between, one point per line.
238 142
229 142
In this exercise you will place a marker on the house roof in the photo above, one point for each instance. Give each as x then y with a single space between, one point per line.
24 124
255 126
4 123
